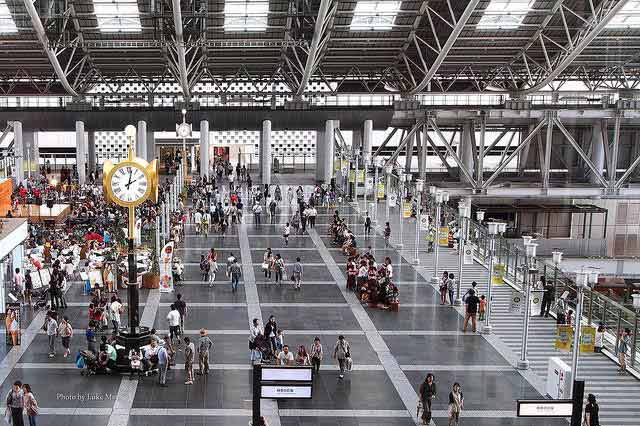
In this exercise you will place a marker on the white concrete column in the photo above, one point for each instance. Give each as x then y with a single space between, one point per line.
18 149
193 159
597 151
409 155
204 148
328 150
320 155
151 145
265 152
465 151
81 152
141 140
91 144
367 138
523 158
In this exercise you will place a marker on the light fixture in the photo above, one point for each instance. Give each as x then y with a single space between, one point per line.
636 301
496 227
419 185
432 189
388 169
445 196
130 131
480 215
557 256
463 210
531 249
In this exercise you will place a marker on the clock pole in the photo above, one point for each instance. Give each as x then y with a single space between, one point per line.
133 292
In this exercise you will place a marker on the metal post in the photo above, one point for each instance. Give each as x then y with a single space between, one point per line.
419 187
158 247
387 189
436 250
464 229
364 175
576 334
355 181
375 190
523 363
487 321
400 208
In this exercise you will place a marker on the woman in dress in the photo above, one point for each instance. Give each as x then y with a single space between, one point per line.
456 403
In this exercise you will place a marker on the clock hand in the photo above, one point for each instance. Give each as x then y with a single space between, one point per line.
127 185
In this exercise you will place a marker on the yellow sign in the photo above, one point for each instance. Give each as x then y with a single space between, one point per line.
498 274
564 336
587 339
380 191
443 237
352 174
406 210
341 164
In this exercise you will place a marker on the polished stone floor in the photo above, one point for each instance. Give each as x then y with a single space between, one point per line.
392 352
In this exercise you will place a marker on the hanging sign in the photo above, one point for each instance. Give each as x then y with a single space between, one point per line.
380 190
443 237
468 254
516 302
564 336
360 176
12 321
498 274
588 339
392 200
406 210
368 183
535 303
166 262
424 223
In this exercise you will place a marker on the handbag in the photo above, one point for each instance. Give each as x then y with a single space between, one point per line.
265 266
7 415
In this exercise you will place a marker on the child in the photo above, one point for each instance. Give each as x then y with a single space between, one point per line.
136 363
483 307
279 340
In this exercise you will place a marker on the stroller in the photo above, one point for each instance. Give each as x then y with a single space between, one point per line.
87 362
40 300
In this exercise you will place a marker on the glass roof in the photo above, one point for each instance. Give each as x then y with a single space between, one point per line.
374 15
246 15
504 14
628 17
7 25
117 16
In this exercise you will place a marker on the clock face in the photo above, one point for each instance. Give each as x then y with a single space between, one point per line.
184 130
129 184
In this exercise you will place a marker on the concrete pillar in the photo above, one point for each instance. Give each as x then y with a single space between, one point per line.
367 138
91 144
18 149
141 140
193 159
320 155
81 152
265 153
328 149
409 155
523 158
356 141
597 151
204 148
465 150
422 152
151 145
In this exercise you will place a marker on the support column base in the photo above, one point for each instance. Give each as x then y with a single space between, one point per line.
523 365
487 329
457 302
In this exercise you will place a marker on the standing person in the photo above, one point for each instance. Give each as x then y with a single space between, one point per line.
623 346
312 216
173 318
204 346
257 213
115 309
181 306
427 392
341 352
267 263
204 268
561 310
254 331
163 363
451 287
270 330
213 266
235 271
456 403
28 288
387 234
66 332
15 402
18 284
286 230
316 354
367 224
52 331
547 297
30 404
297 273
472 303
591 412
278 266
443 287
189 352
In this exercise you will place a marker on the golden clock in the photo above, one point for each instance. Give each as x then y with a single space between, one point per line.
131 182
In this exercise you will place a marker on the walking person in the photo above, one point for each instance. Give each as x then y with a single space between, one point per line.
173 318
316 354
472 301
204 346
115 309
66 333
163 363
456 403
297 273
52 331
257 213
547 297
15 403
181 306
213 266
451 287
312 216
267 263
286 230
235 271
591 412
623 346
342 352
28 288
367 224
270 332
427 393
443 287
189 353
254 331
279 267
387 234
30 404
204 268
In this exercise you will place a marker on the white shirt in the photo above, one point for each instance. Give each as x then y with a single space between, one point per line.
115 310
284 359
287 230
174 318
198 217
389 271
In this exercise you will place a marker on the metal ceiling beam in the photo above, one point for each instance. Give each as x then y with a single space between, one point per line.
444 51
180 49
572 50
51 54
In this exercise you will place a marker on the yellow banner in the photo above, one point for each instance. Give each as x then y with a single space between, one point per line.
443 238
406 210
352 176
564 336
340 164
498 274
360 176
588 339
380 191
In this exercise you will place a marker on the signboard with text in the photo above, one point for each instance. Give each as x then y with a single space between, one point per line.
286 382
545 408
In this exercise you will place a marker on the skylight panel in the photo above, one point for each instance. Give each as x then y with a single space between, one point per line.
504 14
374 15
627 17
246 15
117 16
7 25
